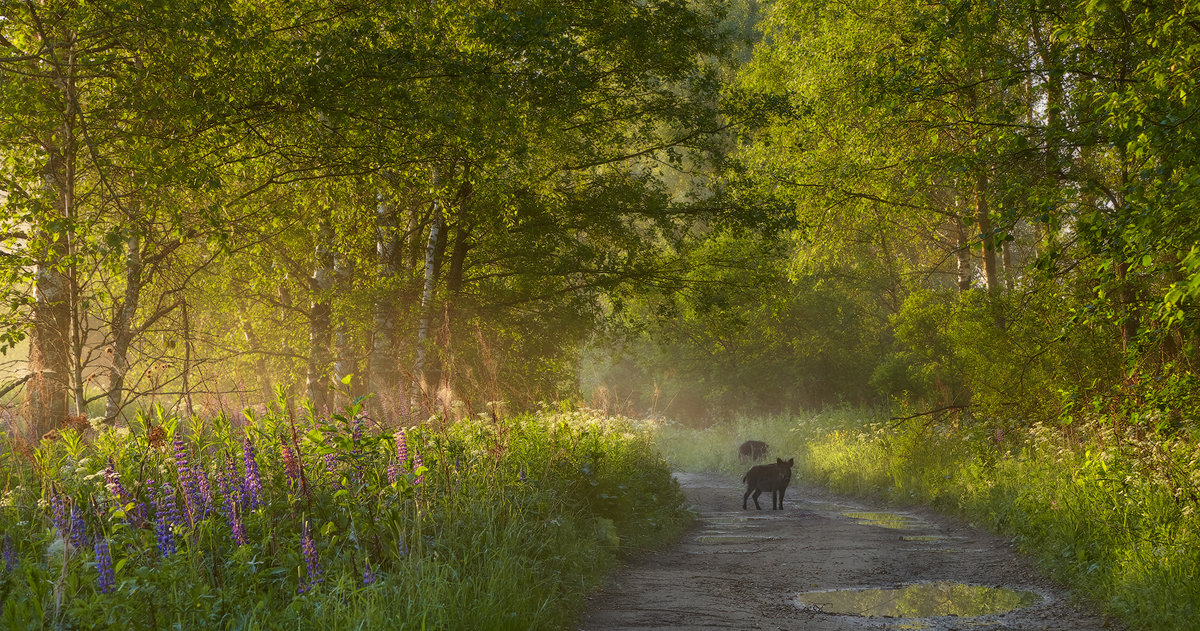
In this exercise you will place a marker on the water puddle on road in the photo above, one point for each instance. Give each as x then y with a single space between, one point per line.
731 519
723 538
922 600
897 521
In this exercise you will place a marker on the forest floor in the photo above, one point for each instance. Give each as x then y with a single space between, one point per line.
740 569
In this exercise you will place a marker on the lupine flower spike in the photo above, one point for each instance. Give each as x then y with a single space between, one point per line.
59 508
9 553
187 481
107 579
368 573
229 480
205 489
291 466
310 559
396 466
252 490
165 516
401 447
78 529
112 481
232 500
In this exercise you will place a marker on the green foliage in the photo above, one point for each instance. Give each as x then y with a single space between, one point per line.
740 334
487 523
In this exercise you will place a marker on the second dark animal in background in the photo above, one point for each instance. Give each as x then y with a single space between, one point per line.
752 450
768 477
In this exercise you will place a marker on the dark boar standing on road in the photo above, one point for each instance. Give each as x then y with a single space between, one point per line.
752 450
768 477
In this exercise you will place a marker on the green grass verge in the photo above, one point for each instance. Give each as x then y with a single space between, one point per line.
1110 513
484 524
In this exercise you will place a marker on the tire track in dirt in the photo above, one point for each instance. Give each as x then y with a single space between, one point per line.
740 569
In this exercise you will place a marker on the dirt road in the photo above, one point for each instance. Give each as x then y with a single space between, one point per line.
747 570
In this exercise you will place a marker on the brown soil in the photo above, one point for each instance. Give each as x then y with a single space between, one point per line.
740 569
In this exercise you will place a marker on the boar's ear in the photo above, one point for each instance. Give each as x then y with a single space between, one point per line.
779 461
790 462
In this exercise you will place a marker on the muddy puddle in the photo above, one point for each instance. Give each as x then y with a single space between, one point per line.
922 600
731 519
898 521
721 538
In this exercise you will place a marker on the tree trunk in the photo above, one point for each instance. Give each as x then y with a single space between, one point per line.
320 318
436 228
1050 52
1128 306
984 219
380 363
122 330
46 393
345 363
49 343
963 251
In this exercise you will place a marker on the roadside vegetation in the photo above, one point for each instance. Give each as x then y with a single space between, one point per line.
295 521
1107 510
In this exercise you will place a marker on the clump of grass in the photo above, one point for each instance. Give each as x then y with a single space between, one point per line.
283 522
1110 512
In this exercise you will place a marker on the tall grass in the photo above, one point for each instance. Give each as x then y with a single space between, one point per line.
483 523
1109 511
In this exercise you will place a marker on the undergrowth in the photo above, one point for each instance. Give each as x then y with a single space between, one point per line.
338 523
1109 511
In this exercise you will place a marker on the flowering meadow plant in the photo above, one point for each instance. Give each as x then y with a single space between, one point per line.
344 521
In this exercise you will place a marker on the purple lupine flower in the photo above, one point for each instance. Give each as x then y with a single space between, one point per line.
401 447
78 529
9 553
205 492
59 509
225 482
107 579
231 495
166 515
112 482
417 465
252 485
187 482
356 432
229 479
309 548
368 574
291 465
331 468
236 527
